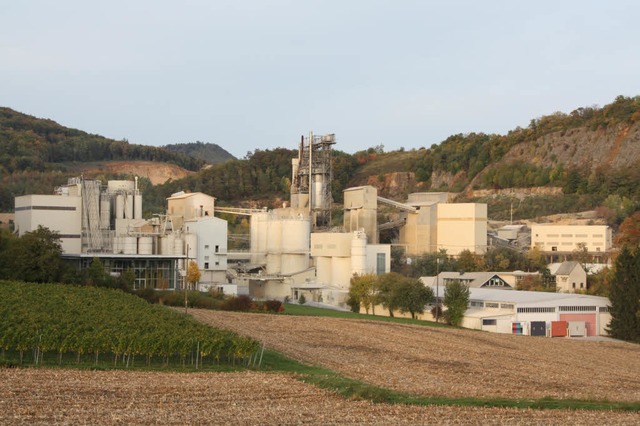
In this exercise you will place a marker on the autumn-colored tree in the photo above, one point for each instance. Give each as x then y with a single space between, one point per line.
193 274
364 290
629 232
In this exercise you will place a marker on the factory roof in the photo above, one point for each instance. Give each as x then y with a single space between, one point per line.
182 194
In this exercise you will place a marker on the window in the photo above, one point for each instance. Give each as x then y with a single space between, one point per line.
206 265
217 248
489 322
573 285
217 263
577 308
506 306
535 310
492 305
554 248
476 304
381 261
206 246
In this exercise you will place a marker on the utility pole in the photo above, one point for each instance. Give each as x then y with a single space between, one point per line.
437 288
185 281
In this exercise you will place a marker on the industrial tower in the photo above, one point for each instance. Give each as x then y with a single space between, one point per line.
311 181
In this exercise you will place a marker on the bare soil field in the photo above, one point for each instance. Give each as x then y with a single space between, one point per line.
50 396
447 362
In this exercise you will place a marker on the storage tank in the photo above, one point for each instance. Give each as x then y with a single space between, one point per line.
129 207
137 206
178 246
274 234
295 238
129 245
258 236
359 253
323 269
116 245
119 206
341 272
145 245
291 263
105 211
191 244
274 263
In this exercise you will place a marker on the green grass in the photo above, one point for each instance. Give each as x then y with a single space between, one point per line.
355 389
311 311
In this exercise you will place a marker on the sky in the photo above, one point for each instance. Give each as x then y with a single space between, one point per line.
257 74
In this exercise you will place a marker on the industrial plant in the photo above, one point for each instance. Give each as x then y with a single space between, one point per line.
294 250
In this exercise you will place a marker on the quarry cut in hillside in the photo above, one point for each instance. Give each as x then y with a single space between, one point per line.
156 172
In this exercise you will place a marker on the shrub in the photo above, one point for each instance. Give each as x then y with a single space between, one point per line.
302 300
273 306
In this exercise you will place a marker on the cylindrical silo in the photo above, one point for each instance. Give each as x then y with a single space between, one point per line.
274 263
191 244
129 245
341 272
116 245
359 253
274 235
137 206
292 263
128 208
295 238
145 245
323 269
178 246
258 236
105 211
119 206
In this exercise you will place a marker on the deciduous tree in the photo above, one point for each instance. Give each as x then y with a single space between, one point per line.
456 299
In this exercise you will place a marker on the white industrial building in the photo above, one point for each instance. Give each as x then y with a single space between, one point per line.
533 313
105 222
597 239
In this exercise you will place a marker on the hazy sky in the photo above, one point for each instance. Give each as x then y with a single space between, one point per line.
258 74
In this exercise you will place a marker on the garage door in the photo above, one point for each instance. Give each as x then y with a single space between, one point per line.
589 319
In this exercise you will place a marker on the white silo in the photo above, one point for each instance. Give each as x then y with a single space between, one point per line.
105 211
323 268
129 206
295 238
129 245
341 271
145 245
191 244
359 253
259 223
178 246
274 234
119 206
137 206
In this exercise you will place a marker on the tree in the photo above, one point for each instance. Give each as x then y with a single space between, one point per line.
363 289
412 296
456 299
193 274
36 256
96 275
388 290
629 232
624 295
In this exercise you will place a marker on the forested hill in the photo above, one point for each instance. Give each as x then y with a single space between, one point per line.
33 144
210 153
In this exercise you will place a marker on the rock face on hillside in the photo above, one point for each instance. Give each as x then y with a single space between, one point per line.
156 172
616 147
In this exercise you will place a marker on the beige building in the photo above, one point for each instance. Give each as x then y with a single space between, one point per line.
183 206
568 238
60 213
462 226
569 275
361 211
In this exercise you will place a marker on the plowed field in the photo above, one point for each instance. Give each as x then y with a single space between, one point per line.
45 397
447 362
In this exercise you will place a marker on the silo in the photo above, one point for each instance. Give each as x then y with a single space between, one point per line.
117 245
258 236
291 263
319 191
105 211
323 268
191 244
274 263
129 245
295 238
145 245
359 253
137 206
341 272
129 206
178 246
274 234
119 206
